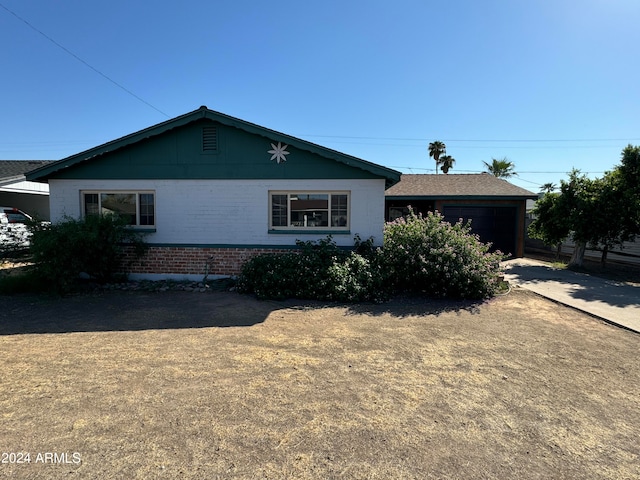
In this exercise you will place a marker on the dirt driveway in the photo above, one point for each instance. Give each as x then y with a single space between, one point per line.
217 385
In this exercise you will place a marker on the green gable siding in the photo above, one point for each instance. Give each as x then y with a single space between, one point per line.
178 154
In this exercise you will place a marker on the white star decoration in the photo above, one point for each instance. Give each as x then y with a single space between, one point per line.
279 152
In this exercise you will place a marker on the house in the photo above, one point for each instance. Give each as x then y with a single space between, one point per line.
16 191
495 207
212 190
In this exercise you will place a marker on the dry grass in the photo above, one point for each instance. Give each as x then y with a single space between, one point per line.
148 386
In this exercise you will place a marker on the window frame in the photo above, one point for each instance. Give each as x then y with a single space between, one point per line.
290 228
137 194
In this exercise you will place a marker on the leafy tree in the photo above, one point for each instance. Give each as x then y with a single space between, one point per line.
583 210
570 213
550 224
501 168
618 204
602 212
579 204
605 232
447 162
629 187
436 149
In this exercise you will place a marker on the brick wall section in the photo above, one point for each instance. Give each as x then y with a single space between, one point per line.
193 260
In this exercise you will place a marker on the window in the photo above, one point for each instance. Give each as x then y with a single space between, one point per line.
309 210
138 208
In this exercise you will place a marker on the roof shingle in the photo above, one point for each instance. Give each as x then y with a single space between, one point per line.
15 168
456 185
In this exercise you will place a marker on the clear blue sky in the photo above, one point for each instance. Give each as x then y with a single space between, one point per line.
549 84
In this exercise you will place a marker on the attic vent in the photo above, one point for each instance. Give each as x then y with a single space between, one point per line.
209 139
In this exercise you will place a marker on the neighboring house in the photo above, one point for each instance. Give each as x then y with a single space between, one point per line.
16 191
495 207
212 190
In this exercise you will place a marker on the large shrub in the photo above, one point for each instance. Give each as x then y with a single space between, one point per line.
423 255
428 255
317 270
94 245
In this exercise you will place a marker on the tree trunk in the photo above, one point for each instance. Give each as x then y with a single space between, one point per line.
603 259
558 250
577 257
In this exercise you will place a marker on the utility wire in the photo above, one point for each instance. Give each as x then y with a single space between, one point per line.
534 140
62 47
484 171
482 147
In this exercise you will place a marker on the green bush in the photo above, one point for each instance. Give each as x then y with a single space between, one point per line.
423 255
318 270
270 276
430 256
358 278
94 245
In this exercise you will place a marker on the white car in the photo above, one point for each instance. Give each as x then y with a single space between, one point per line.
14 232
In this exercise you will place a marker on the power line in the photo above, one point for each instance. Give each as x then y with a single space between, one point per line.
553 140
483 171
483 147
533 140
63 48
529 181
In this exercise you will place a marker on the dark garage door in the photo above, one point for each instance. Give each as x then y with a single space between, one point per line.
493 224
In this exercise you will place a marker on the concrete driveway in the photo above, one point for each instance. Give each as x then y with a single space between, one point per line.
613 301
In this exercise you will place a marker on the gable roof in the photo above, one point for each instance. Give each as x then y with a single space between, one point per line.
42 174
12 171
478 185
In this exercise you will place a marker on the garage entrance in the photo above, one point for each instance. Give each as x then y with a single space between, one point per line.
497 225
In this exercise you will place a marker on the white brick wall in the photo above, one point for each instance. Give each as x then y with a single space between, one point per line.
228 211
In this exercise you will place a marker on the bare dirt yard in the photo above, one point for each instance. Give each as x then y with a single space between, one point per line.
131 385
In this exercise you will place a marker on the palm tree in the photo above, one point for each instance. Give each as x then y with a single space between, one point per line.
436 149
502 168
447 162
548 188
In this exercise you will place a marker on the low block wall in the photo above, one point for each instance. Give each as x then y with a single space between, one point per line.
192 260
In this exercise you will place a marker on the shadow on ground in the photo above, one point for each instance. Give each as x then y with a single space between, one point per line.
114 311
578 285
411 306
131 311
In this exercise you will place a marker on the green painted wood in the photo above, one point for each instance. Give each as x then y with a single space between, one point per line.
173 150
178 155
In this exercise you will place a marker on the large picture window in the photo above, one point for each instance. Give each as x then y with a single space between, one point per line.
138 208
309 210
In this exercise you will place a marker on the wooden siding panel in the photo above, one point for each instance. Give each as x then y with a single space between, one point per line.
178 154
